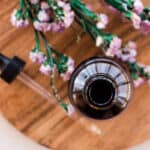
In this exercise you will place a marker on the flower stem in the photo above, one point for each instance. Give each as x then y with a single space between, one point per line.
48 49
22 4
37 39
89 26
54 89
137 70
81 6
59 54
59 100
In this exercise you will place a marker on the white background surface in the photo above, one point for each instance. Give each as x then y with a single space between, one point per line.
11 139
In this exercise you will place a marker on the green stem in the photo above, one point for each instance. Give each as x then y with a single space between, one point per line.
48 49
49 2
86 21
137 71
80 22
118 4
59 54
81 6
59 100
90 26
37 39
54 89
22 4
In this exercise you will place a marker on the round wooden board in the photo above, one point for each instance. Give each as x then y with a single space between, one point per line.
48 124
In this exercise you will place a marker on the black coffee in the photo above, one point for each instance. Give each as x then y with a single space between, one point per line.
101 92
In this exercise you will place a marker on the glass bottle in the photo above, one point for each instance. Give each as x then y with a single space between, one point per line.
100 88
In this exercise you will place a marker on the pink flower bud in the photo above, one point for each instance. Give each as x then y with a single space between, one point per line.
71 110
18 22
138 82
99 41
44 5
46 69
68 73
114 48
37 57
34 1
43 16
145 26
131 45
136 20
42 26
138 6
147 69
102 22
60 3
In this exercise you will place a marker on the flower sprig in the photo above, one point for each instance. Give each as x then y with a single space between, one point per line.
111 44
58 15
78 7
46 16
132 10
51 62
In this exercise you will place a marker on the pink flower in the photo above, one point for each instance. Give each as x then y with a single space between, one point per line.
71 110
70 62
114 48
44 5
141 65
57 27
37 56
102 22
138 82
131 45
18 22
136 20
69 18
67 74
60 3
46 69
147 69
43 16
58 23
128 55
68 15
145 26
42 26
128 52
34 1
99 41
67 7
138 6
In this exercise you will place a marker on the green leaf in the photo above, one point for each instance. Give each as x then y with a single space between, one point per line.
134 76
64 106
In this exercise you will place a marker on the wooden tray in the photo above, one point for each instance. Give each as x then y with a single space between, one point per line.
48 124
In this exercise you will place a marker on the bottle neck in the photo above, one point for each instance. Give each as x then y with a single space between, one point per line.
100 91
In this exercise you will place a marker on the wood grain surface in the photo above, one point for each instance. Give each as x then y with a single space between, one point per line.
48 124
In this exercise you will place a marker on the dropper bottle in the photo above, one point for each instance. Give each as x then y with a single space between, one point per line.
11 69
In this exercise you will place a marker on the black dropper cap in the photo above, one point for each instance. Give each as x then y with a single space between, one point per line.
10 68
